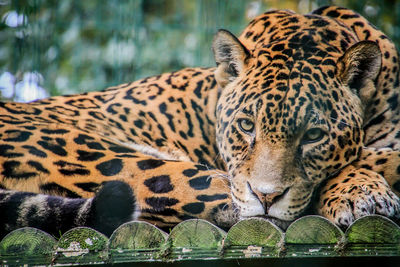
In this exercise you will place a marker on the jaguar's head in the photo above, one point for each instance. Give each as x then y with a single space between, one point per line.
290 113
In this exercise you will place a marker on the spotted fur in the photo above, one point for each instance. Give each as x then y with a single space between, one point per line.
298 106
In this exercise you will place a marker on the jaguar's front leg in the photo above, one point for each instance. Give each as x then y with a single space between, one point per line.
385 161
354 193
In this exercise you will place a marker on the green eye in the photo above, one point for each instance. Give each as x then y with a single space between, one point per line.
313 135
246 125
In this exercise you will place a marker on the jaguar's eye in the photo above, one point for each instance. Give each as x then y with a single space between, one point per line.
246 125
313 135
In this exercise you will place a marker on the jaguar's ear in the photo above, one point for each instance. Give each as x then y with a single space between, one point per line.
359 67
230 56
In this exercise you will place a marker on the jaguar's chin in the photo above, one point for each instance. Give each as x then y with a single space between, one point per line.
281 213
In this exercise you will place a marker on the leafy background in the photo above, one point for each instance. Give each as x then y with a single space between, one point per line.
72 46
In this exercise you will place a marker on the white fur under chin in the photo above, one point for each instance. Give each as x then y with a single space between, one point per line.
252 207
279 210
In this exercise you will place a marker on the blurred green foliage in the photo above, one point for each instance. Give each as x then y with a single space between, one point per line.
73 46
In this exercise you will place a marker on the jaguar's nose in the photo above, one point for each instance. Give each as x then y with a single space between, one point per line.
267 199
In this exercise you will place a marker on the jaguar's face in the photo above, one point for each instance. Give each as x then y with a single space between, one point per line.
289 117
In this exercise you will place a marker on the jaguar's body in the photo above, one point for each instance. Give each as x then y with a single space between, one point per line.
301 104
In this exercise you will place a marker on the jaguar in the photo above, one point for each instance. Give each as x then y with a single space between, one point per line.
299 116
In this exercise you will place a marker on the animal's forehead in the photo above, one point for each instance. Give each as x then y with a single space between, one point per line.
296 30
279 68
293 64
305 44
299 64
290 85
